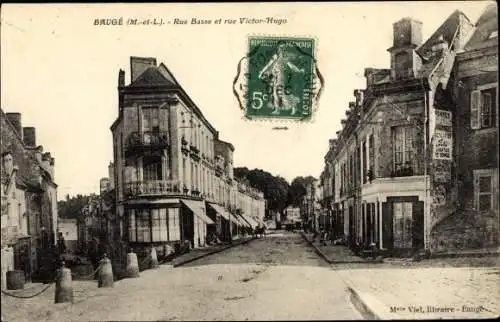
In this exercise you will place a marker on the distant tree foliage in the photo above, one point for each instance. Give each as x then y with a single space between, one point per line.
70 207
275 188
298 190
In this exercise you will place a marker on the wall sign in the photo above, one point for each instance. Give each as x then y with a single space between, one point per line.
442 145
443 118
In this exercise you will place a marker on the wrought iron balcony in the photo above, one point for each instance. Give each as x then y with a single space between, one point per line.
152 188
138 141
194 153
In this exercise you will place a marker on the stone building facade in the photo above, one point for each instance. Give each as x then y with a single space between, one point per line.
173 174
475 221
395 162
28 198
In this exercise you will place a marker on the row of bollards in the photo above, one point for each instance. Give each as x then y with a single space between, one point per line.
64 287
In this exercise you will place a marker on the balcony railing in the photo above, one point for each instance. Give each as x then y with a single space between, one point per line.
153 187
138 140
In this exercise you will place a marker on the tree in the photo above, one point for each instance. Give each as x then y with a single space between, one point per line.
275 189
298 189
71 207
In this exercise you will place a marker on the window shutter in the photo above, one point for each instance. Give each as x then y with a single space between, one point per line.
475 110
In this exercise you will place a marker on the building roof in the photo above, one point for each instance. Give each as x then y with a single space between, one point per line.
447 30
428 67
485 25
161 77
155 76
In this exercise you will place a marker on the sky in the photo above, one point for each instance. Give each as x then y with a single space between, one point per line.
61 72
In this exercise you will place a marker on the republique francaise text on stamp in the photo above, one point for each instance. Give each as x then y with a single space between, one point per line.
278 79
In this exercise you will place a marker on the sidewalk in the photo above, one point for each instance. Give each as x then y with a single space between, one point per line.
335 254
425 293
203 252
483 252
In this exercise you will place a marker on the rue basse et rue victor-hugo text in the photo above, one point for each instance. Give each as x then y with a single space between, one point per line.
183 21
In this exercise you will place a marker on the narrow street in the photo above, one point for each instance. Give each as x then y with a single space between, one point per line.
278 277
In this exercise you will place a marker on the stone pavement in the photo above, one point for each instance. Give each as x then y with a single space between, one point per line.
335 254
425 293
297 285
202 252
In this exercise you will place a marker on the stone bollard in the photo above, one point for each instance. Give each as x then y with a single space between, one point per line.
64 287
154 258
132 269
15 280
106 278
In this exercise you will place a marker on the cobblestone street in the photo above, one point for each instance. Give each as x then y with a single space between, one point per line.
278 277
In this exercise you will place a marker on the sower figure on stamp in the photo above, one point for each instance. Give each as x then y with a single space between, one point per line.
274 75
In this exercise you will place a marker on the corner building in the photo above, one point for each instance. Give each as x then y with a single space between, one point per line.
394 161
173 175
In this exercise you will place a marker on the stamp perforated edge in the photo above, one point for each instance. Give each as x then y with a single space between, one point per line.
284 120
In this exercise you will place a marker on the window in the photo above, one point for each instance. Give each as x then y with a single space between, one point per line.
132 234
483 189
152 168
155 225
371 153
192 175
365 160
174 228
184 172
148 225
143 226
404 141
483 107
402 224
150 119
163 225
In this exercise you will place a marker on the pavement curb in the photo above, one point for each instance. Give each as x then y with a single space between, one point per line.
331 261
213 252
465 254
361 305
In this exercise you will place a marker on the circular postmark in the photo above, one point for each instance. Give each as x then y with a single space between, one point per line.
278 79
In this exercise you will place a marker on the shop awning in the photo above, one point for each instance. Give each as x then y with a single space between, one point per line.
243 221
250 220
198 208
225 214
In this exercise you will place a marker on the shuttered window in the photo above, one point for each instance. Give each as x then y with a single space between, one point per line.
483 108
484 192
475 111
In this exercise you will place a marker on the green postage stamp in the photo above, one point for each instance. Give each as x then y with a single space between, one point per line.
278 79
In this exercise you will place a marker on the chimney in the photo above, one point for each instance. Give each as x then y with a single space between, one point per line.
407 36
359 94
29 136
369 76
46 160
121 78
104 185
15 120
38 153
139 64
111 175
407 32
